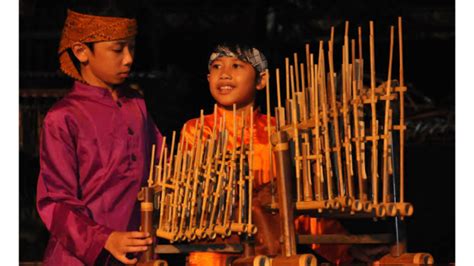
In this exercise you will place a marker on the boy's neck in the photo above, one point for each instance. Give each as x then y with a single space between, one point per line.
113 91
239 109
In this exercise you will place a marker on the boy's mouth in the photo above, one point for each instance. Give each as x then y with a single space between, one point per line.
123 74
225 89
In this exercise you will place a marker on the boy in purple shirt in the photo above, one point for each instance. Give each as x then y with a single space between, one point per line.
95 147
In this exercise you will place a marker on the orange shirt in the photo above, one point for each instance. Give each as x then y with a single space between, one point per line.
261 160
262 175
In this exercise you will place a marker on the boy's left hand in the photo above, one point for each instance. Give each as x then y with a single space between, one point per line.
121 243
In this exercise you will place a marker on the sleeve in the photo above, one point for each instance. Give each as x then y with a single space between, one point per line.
58 195
188 132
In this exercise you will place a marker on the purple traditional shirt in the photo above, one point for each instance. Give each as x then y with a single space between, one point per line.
94 157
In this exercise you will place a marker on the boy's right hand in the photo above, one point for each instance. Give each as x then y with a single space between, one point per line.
121 243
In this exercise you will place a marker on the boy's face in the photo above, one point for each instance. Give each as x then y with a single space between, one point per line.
233 81
109 64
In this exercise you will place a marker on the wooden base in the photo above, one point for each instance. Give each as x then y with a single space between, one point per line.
252 261
407 259
296 260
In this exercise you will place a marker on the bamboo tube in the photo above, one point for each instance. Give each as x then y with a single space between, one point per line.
303 91
207 175
341 191
323 97
311 86
176 169
188 173
385 184
346 119
152 163
317 183
297 76
280 111
297 150
219 180
269 133
180 197
402 113
359 30
228 207
308 64
173 139
241 173
292 83
146 215
288 93
357 138
160 162
277 75
374 123
286 207
307 190
250 228
159 178
197 163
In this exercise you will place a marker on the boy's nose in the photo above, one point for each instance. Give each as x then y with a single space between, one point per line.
225 75
128 57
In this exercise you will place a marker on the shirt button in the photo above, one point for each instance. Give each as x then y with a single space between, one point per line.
119 104
130 131
134 158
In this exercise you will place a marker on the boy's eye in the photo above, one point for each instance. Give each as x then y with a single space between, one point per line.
236 65
215 66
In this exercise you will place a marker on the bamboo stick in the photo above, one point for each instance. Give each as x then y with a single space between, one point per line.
325 126
232 168
341 191
269 132
385 184
250 227
241 173
280 113
317 142
152 163
197 163
297 150
374 123
346 85
303 93
160 162
308 64
402 113
297 75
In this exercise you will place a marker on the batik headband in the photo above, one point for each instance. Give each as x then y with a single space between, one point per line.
88 28
251 56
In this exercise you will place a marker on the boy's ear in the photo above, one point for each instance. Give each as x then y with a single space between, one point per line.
80 51
261 81
208 75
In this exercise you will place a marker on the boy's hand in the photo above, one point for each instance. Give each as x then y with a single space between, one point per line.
121 243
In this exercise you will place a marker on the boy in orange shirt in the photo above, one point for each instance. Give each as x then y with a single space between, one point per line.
236 73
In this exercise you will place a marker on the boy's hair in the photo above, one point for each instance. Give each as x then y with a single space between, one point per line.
243 52
93 21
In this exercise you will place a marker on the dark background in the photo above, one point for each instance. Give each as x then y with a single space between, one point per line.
173 46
